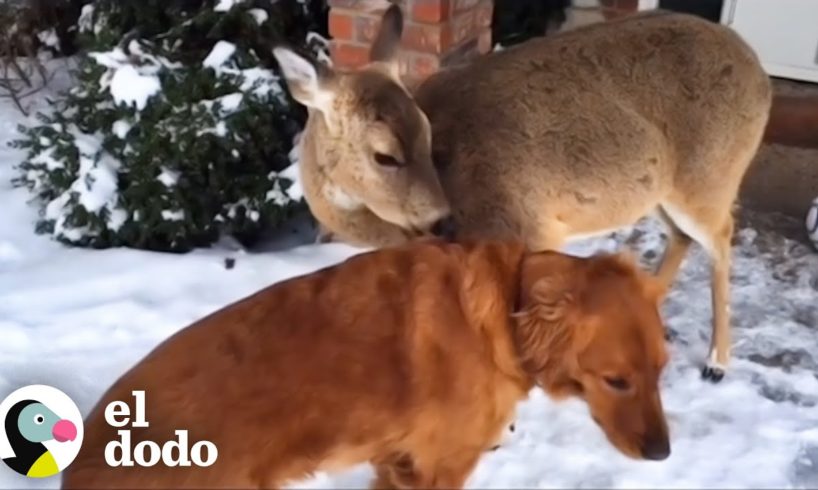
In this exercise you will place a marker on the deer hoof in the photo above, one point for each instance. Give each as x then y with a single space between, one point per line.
711 373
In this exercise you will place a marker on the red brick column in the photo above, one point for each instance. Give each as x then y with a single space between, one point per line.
435 33
617 8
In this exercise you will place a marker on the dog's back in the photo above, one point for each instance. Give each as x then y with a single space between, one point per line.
322 371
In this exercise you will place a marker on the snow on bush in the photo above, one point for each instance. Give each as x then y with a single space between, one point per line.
812 223
179 129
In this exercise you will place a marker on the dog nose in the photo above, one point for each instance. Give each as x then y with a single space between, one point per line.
444 228
656 449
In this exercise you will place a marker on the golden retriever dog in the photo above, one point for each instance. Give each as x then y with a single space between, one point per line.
412 358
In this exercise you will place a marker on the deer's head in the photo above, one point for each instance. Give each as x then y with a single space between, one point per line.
375 140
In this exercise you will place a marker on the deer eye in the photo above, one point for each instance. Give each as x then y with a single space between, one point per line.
616 383
385 160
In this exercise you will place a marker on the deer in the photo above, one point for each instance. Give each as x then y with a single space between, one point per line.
551 140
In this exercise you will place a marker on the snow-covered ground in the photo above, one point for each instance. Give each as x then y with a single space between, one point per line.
76 319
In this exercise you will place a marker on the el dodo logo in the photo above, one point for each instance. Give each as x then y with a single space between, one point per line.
148 453
42 431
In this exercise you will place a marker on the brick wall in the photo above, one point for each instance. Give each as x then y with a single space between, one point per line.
435 33
615 8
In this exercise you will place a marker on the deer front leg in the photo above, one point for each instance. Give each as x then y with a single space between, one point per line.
324 234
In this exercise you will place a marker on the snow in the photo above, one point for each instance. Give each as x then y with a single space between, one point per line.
320 46
220 54
178 215
132 77
231 102
168 177
111 59
86 20
121 128
130 87
96 183
228 104
49 38
295 191
46 157
225 5
77 319
259 15
219 130
259 81
95 186
811 222
278 196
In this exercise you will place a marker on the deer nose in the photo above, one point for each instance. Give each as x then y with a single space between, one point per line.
656 448
444 228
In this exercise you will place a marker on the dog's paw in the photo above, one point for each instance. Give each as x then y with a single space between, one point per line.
713 373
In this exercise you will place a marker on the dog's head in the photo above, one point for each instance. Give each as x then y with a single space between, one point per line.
591 328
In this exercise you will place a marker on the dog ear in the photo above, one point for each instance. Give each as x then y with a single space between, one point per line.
654 288
543 333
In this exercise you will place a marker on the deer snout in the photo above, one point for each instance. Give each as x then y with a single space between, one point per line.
444 228
427 205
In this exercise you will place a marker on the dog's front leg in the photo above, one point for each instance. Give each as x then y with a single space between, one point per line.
503 437
450 471
395 472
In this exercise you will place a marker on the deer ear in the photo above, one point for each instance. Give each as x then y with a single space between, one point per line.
386 44
307 80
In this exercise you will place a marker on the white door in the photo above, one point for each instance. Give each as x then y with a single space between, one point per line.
784 33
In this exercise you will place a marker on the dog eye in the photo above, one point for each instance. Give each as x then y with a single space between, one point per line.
619 384
387 160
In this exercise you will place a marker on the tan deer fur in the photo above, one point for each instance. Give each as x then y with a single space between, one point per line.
554 139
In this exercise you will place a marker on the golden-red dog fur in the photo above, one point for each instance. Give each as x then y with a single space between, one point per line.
412 358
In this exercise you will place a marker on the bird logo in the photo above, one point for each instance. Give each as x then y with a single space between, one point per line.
43 431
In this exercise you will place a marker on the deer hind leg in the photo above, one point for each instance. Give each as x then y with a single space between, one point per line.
678 244
720 283
715 235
